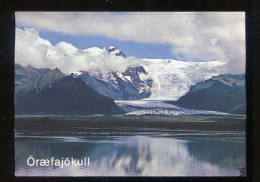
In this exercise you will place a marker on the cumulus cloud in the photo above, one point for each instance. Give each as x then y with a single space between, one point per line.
192 35
31 49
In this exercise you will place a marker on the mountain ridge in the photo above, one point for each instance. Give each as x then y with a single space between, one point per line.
225 93
129 85
55 93
162 79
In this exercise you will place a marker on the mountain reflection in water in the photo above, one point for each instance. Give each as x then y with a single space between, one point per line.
133 156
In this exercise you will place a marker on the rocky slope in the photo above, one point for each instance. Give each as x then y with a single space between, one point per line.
55 93
129 85
25 74
224 93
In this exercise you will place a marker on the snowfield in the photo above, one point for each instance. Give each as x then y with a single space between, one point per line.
171 79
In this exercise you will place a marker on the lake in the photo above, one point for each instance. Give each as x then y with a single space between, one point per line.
206 143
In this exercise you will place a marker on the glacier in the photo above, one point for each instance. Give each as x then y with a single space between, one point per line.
171 78
161 108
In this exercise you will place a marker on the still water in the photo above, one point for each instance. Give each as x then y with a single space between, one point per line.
136 155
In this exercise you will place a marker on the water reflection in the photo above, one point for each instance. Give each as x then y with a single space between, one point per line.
133 156
224 154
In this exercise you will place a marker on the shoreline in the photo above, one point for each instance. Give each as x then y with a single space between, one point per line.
133 123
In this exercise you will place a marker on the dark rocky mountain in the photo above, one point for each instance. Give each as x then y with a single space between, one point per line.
28 73
121 86
55 93
224 93
130 85
40 82
103 87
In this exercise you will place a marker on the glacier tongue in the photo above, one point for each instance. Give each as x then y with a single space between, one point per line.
160 108
172 79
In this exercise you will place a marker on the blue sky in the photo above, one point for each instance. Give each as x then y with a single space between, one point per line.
184 36
130 48
136 49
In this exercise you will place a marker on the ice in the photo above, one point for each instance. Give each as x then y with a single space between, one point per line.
145 104
172 79
156 107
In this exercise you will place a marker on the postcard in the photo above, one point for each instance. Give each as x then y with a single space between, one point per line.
130 94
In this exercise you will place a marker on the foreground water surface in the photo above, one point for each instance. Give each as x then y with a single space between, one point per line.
147 152
202 144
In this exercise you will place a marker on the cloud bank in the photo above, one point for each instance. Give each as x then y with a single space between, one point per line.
31 49
192 35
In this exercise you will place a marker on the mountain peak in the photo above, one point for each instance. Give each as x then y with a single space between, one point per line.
56 69
224 93
230 80
29 66
112 48
115 51
41 80
55 73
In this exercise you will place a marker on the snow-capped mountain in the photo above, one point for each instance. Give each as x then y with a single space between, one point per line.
115 51
132 84
52 92
152 79
95 51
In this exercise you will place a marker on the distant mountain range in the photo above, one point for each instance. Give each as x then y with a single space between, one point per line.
132 84
24 74
153 79
55 93
224 93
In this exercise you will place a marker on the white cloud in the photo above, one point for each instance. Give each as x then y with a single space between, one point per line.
31 49
171 78
201 36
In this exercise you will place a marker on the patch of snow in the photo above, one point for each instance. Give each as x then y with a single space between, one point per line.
121 76
128 78
143 76
76 73
112 47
